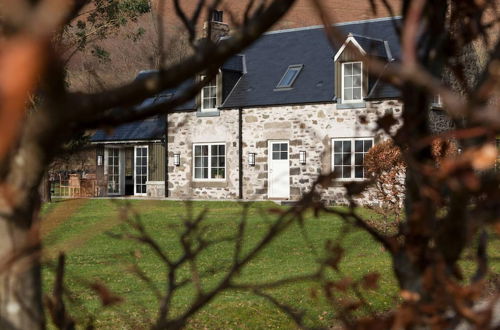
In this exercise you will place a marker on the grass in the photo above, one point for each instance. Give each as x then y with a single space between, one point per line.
80 227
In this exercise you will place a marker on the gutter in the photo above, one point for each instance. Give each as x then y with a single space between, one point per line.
166 155
240 153
125 141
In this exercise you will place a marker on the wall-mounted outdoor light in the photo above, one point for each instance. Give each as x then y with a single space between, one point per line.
302 157
177 159
251 159
99 160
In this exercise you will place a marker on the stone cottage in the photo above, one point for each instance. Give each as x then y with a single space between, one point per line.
288 108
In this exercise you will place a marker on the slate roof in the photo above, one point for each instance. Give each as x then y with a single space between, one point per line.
149 129
374 47
235 63
268 59
263 64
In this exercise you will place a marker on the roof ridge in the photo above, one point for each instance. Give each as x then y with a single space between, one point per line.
314 27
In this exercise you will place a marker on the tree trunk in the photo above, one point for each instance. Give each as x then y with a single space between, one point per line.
21 304
44 190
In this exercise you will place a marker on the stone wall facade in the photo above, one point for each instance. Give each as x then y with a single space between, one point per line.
186 129
308 128
439 121
155 189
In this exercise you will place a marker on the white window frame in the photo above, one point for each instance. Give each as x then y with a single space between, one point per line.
202 95
353 168
343 87
210 162
135 169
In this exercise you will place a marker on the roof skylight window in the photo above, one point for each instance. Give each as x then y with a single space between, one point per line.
290 75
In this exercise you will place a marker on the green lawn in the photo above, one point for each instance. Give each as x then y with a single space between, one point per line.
80 228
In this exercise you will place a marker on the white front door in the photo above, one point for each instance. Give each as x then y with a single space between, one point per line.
140 170
278 170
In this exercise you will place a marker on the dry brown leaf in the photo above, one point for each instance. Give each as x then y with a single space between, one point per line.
370 281
484 157
107 297
409 295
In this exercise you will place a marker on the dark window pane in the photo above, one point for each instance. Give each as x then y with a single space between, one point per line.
348 94
356 68
214 161
222 173
358 146
214 150
197 150
284 147
346 159
197 162
337 146
356 94
276 155
347 81
368 145
358 159
197 173
222 149
284 155
207 104
348 69
276 147
337 159
346 172
287 78
356 81
205 173
222 161
347 146
358 172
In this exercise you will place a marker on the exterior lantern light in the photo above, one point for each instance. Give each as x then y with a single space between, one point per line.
99 160
302 157
177 159
251 159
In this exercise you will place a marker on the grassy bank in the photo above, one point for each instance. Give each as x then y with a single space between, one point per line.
81 228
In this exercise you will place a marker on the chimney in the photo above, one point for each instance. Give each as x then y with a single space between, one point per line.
218 28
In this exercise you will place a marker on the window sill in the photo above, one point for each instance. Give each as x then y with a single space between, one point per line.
358 105
208 113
